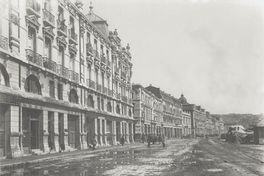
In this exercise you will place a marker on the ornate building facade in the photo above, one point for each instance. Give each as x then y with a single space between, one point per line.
172 113
148 113
65 79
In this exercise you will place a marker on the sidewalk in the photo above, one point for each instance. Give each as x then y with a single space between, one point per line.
20 162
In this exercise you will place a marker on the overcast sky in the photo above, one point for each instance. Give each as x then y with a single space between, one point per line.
211 51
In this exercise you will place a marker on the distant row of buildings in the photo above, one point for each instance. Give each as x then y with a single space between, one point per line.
65 81
159 113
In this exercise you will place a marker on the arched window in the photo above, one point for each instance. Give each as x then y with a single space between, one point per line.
73 97
90 102
32 85
109 107
117 109
4 77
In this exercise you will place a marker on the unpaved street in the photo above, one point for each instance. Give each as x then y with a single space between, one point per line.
179 157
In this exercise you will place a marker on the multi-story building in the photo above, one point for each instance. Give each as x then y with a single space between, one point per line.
172 113
186 123
147 112
198 117
64 79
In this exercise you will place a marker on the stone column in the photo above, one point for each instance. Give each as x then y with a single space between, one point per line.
45 131
84 133
114 132
105 136
12 119
132 132
56 132
95 131
101 132
66 132
121 130
127 132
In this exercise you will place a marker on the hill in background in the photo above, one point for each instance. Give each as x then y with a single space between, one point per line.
247 120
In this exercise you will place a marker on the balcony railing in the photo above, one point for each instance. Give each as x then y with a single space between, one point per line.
72 36
62 28
103 59
118 96
108 64
48 17
98 87
33 7
74 76
3 42
105 90
34 57
123 75
124 98
91 84
110 92
63 71
89 49
96 54
49 64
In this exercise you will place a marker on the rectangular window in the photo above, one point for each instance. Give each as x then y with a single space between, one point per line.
95 44
47 50
31 39
52 89
61 55
60 91
102 80
61 15
88 39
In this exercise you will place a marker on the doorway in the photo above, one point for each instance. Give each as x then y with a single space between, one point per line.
34 131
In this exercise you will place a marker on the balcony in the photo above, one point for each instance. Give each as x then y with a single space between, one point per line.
96 55
124 99
62 28
72 36
33 8
110 93
74 76
118 96
34 57
123 75
98 87
3 42
49 64
108 64
105 90
89 49
48 18
103 59
91 84
72 49
117 71
63 71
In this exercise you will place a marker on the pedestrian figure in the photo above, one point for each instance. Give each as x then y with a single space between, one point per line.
122 140
163 141
94 142
149 140
160 139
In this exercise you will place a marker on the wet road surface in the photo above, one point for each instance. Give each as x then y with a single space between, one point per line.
179 157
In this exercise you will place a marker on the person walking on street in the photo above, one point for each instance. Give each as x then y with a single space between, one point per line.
149 140
122 140
94 142
163 141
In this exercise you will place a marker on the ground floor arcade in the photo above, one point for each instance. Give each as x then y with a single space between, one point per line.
34 129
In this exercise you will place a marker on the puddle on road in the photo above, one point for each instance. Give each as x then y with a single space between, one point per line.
214 170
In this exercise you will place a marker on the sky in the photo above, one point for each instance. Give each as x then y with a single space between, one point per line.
212 51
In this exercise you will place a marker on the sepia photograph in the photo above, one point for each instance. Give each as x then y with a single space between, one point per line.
131 87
